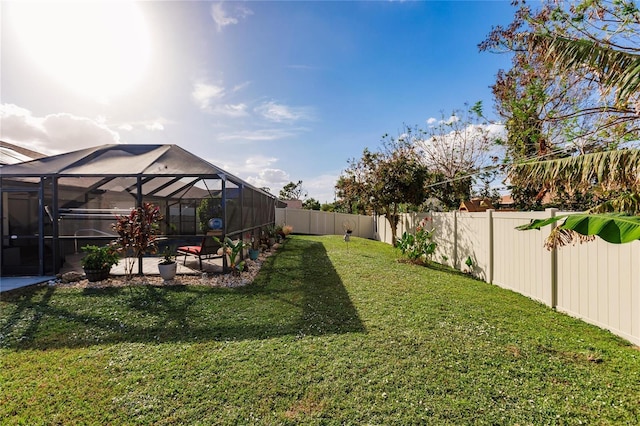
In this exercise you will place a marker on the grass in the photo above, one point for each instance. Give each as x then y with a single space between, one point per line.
329 333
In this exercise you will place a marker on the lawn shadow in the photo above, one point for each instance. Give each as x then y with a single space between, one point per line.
296 293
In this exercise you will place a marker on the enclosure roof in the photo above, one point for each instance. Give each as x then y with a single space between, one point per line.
12 154
117 159
123 160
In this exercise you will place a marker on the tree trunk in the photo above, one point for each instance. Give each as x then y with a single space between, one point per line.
392 217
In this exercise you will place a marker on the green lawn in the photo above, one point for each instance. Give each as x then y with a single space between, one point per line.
329 333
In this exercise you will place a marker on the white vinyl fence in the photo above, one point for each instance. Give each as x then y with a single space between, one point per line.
314 222
597 282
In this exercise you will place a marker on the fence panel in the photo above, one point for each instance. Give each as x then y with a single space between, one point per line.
600 283
473 242
445 237
520 261
315 222
321 223
298 218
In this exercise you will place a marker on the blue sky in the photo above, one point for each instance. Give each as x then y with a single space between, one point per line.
272 92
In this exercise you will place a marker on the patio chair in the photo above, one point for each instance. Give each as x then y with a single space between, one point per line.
208 249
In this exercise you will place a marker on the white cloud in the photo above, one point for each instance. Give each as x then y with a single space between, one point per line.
451 120
258 162
258 170
53 133
241 166
274 179
204 93
282 113
229 110
432 121
497 130
262 171
208 97
321 187
222 18
154 126
241 86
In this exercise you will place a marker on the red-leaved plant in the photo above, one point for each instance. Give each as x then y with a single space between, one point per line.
137 234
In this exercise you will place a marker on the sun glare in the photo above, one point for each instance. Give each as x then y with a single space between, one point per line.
98 49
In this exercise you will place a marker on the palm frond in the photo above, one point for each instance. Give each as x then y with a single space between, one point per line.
614 68
609 170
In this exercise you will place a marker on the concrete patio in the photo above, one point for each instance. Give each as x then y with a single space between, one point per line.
149 267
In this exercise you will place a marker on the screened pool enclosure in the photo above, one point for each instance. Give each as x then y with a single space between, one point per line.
51 207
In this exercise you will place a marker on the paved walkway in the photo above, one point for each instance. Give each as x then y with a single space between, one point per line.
12 283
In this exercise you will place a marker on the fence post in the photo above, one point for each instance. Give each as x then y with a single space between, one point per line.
489 277
456 264
554 265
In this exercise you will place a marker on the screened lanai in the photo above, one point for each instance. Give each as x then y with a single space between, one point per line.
53 206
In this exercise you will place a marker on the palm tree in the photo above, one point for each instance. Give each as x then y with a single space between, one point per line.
617 220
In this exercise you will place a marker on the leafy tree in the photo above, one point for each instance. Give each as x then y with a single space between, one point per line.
551 111
328 207
455 149
351 190
311 204
293 191
613 176
385 180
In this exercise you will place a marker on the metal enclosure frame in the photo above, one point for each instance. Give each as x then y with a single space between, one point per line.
77 196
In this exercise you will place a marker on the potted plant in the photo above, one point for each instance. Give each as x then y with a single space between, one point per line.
232 250
168 266
254 250
286 230
98 261
271 232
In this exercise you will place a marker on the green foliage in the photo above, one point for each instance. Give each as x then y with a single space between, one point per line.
322 333
209 208
232 250
292 191
606 172
168 256
613 228
328 207
619 69
468 261
271 230
418 247
383 181
311 204
571 89
98 258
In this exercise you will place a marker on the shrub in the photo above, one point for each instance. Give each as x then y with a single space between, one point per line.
418 247
99 258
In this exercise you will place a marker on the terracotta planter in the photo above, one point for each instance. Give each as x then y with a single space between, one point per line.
168 272
94 275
